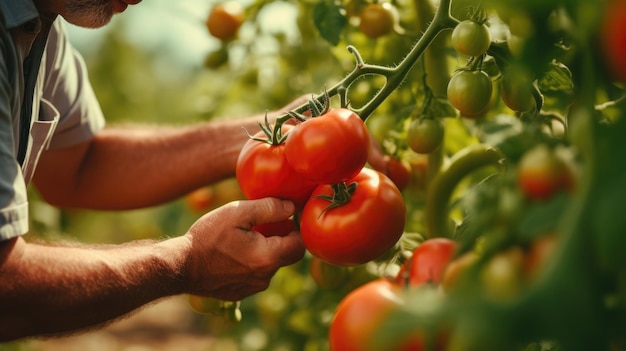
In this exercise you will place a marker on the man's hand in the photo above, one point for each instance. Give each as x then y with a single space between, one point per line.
230 261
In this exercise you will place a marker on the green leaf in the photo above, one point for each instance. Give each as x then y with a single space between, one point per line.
543 217
329 17
558 78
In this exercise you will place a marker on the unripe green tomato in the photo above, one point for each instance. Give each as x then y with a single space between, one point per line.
425 135
470 92
471 38
326 275
517 89
502 276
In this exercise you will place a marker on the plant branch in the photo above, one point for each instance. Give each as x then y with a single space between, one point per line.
394 75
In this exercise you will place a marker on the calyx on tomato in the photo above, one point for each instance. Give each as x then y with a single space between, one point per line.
342 193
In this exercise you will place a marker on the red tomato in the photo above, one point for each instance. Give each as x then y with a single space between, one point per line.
399 171
428 262
262 171
542 173
201 199
281 228
613 40
377 19
225 19
541 249
360 230
329 149
359 316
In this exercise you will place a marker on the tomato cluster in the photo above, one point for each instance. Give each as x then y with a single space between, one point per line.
350 214
365 310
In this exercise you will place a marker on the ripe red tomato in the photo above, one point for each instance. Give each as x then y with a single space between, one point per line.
399 171
225 19
470 38
360 230
359 316
470 92
428 262
262 171
200 200
281 228
541 174
377 19
540 251
613 40
329 149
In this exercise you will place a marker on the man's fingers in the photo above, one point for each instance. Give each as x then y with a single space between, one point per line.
266 210
289 249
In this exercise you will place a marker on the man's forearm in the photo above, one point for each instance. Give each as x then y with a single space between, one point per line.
52 290
126 168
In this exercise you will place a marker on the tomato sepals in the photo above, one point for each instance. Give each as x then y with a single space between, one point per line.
342 193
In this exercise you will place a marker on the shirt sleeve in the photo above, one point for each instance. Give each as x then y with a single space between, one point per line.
13 196
67 87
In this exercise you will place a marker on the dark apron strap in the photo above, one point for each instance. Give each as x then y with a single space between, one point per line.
31 71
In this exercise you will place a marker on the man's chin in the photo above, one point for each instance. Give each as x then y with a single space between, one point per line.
87 22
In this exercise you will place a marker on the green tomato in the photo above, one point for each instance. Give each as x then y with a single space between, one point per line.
470 92
517 89
471 38
425 135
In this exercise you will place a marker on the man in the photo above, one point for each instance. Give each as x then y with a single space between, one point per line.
50 121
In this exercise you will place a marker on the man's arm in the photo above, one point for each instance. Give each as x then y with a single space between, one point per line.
133 167
53 290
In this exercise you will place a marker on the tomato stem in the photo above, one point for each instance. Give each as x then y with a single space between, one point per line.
394 75
342 193
443 184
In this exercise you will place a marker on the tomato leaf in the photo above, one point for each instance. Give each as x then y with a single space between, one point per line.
507 134
543 217
330 17
558 78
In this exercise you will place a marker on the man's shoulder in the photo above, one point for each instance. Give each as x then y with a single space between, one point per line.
15 13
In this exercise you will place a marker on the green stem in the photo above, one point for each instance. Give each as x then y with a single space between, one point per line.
394 75
443 184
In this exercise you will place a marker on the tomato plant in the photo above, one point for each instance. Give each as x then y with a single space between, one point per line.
425 135
471 38
224 19
328 149
377 19
360 314
428 262
368 224
541 173
262 170
469 91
